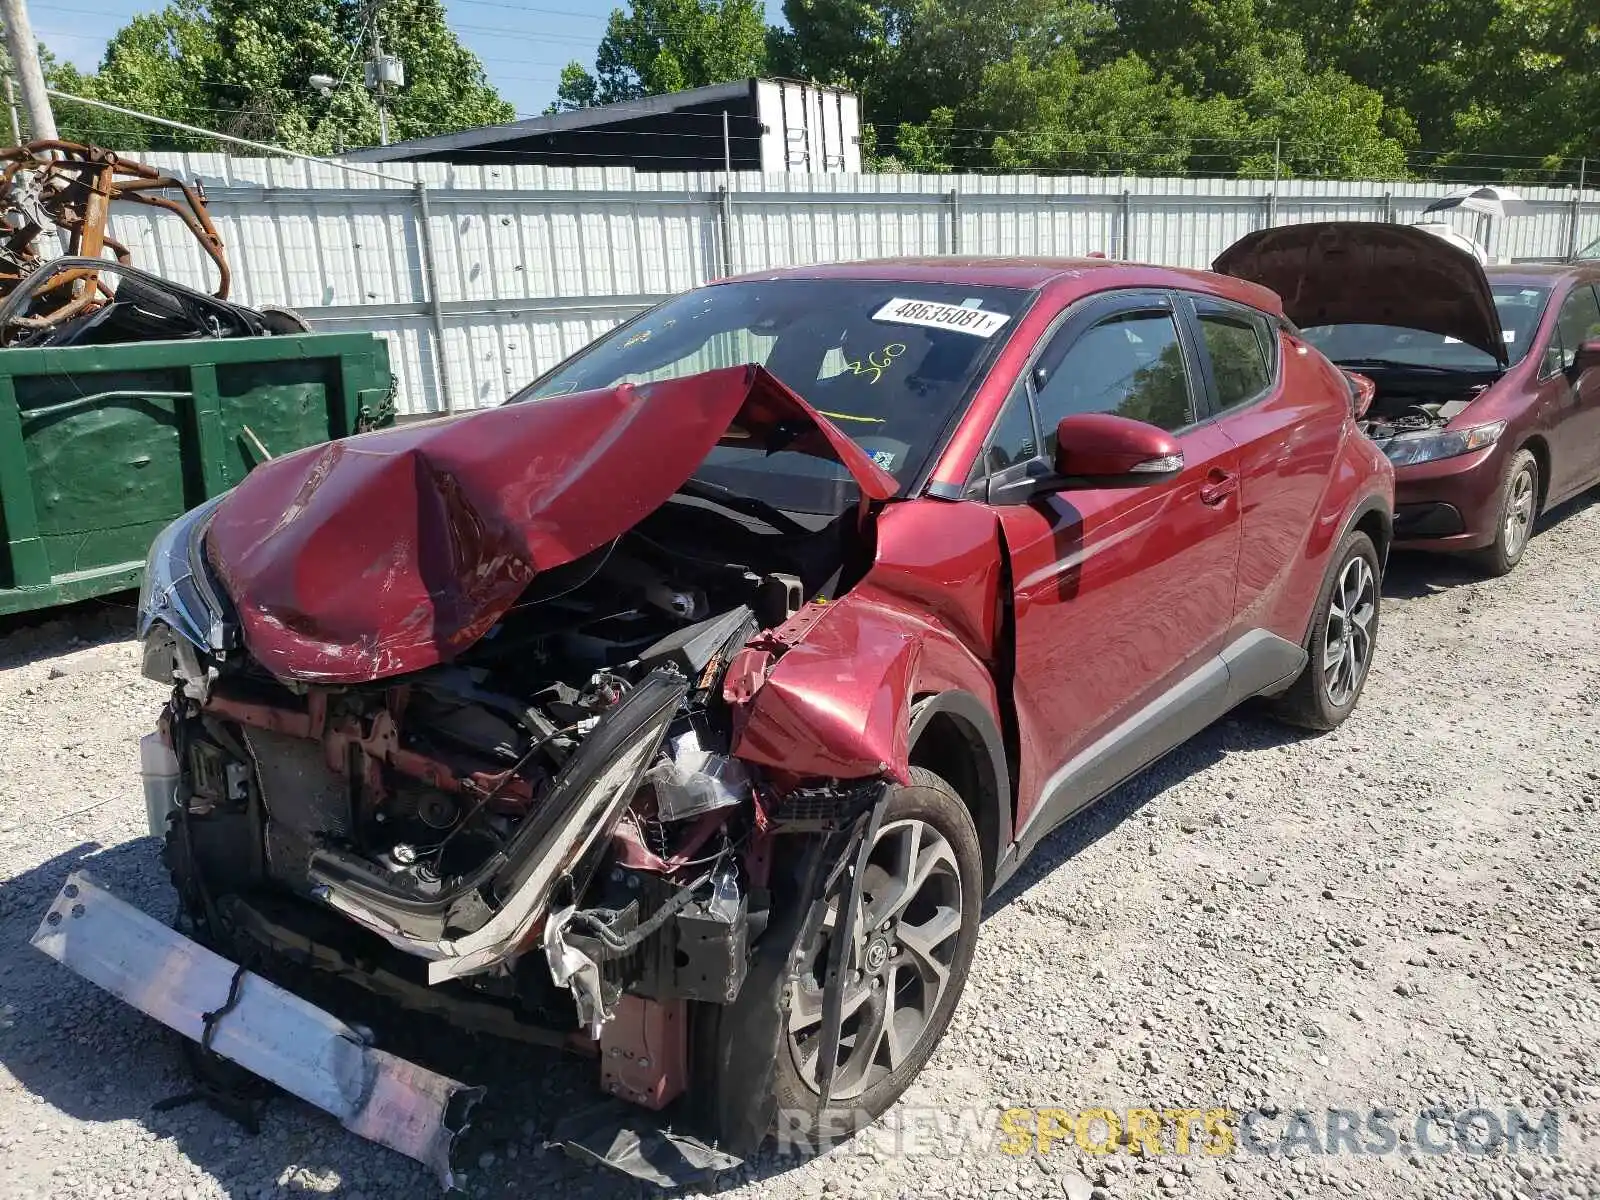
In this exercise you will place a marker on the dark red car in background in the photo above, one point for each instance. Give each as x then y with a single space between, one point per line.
1488 379
686 709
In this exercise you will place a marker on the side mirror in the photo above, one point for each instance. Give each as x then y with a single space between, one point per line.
1587 357
1105 450
1362 392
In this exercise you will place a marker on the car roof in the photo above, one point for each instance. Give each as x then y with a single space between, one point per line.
1543 273
1073 276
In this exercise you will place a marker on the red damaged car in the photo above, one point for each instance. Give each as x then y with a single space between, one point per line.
1487 379
684 710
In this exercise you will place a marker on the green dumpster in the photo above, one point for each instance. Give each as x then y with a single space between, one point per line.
102 446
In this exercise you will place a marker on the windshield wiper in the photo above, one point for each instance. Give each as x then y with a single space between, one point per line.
749 505
1394 364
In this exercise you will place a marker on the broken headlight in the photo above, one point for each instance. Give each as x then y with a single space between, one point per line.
1408 449
176 592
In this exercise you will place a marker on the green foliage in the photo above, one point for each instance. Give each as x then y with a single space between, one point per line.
1121 116
79 122
1342 88
1303 88
1478 78
666 46
244 68
577 89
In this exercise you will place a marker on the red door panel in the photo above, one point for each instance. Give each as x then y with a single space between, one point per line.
1287 445
1119 592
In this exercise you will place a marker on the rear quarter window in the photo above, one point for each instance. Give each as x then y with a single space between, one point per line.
1243 350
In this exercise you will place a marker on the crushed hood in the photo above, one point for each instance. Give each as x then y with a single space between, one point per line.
1367 273
393 551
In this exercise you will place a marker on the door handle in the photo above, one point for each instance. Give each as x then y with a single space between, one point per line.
1219 485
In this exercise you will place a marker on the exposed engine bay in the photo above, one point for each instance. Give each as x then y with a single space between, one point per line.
1416 403
564 787
459 720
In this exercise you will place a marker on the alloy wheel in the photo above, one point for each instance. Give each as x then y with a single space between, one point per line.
1519 513
1347 637
897 967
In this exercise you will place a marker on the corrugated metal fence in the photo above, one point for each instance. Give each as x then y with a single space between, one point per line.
510 269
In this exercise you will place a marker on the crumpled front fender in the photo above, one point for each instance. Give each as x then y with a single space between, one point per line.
830 692
834 704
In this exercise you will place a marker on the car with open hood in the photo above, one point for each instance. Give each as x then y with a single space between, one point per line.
684 709
1487 379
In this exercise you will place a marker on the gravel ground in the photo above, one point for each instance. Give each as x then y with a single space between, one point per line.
1402 914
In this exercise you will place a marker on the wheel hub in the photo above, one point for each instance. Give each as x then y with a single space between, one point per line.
877 955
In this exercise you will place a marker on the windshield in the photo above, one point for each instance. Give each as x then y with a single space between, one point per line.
890 363
1519 307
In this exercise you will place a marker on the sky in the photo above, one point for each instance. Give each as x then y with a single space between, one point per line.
523 48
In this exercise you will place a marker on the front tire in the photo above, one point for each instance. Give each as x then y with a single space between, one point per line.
1519 505
921 903
1344 633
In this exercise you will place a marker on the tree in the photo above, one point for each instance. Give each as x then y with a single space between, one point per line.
661 46
1121 116
577 89
144 68
1545 97
907 58
1482 78
244 68
1204 46
267 55
1324 123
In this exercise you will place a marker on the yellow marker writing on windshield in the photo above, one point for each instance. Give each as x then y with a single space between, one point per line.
872 366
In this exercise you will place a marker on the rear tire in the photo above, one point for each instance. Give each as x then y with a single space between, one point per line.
1344 633
924 897
1519 505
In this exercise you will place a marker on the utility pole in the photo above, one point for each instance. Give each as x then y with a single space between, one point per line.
11 109
383 72
1277 170
25 58
383 108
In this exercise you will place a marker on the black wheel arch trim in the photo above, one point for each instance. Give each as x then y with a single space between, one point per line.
1369 505
993 812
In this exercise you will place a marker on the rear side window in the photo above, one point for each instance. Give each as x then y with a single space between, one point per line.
1130 364
1243 352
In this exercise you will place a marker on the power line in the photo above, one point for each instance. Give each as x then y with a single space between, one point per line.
1089 166
1101 148
223 137
548 12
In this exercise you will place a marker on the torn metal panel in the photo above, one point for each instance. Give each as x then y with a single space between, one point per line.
616 1135
925 619
799 712
385 554
576 970
269 1031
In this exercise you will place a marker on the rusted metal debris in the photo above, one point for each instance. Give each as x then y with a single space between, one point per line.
50 186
